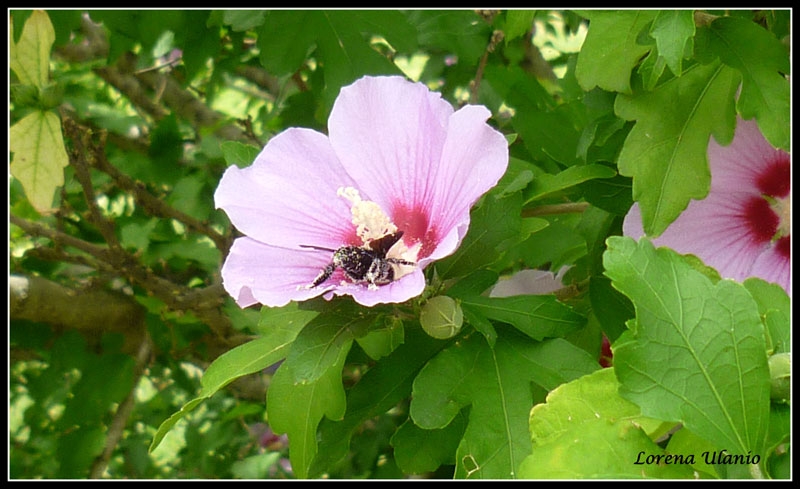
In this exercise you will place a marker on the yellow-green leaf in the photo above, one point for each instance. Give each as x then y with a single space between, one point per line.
30 57
39 156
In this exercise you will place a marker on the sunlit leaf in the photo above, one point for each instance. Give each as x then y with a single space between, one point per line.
696 353
30 57
39 156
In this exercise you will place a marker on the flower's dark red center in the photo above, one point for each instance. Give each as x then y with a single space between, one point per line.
415 224
782 246
768 217
775 181
761 219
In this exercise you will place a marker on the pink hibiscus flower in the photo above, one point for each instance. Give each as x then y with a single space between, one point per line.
743 227
365 209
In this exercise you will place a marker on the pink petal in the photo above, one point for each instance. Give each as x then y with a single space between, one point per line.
389 134
740 165
710 229
287 197
773 265
731 228
407 287
427 165
474 158
255 272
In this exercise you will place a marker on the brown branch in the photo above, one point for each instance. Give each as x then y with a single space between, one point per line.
177 297
153 205
40 300
94 44
497 38
78 157
122 78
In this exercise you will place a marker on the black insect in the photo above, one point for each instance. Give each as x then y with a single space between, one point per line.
363 264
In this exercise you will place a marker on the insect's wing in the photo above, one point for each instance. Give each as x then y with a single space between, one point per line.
382 245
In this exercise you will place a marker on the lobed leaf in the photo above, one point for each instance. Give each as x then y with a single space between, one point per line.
666 151
495 383
296 408
696 352
763 62
612 48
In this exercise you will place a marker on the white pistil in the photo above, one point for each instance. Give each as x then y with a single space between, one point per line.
784 209
370 220
372 223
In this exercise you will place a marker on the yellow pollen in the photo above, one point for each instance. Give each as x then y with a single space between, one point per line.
783 207
368 217
372 223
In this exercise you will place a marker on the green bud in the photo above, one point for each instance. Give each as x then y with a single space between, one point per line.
51 96
24 95
780 376
441 317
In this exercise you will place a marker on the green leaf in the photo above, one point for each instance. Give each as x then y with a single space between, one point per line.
285 39
189 195
453 31
296 408
382 341
418 451
552 133
136 235
39 156
379 390
339 36
763 62
243 360
586 430
30 57
518 23
538 316
673 31
593 396
684 441
491 223
77 449
495 383
666 151
546 185
611 48
318 346
774 306
601 449
243 20
611 309
239 154
696 353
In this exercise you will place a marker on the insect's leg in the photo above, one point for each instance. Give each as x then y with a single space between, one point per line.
324 275
400 261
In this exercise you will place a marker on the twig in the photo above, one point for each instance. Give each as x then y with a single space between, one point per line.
123 413
78 159
497 37
547 210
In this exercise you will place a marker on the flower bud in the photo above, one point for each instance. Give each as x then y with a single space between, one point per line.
780 376
441 317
